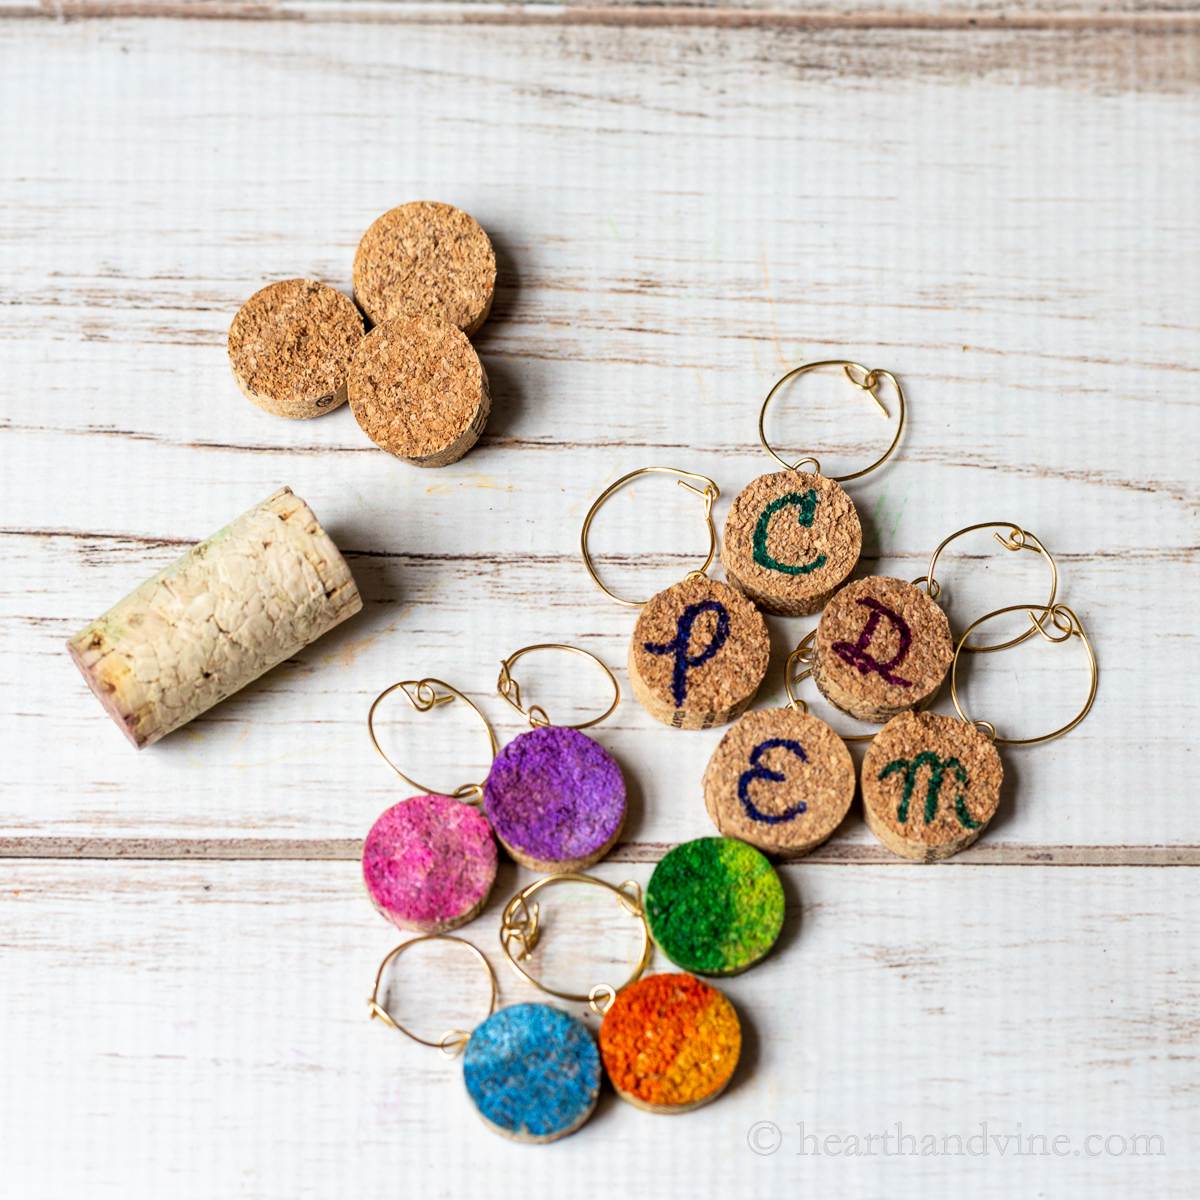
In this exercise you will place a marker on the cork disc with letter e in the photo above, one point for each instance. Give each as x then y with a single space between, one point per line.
883 647
426 257
791 540
419 391
781 780
699 652
930 785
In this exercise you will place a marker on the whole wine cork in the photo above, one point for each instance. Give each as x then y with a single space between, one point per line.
230 609
698 654
781 780
930 785
290 347
418 390
426 257
791 540
883 647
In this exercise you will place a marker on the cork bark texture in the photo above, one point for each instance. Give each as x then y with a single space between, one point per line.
290 347
698 654
781 780
791 540
418 390
930 785
234 606
882 648
426 257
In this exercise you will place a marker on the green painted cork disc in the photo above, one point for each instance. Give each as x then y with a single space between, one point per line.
715 906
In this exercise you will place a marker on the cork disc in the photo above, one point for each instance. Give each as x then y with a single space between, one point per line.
781 780
930 785
699 652
429 864
426 257
556 799
714 906
533 1072
670 1043
791 540
418 389
882 648
290 347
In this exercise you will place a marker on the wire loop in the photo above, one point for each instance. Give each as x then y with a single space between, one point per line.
804 655
510 689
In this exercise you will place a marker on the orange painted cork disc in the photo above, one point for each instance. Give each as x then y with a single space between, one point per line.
882 648
699 652
781 780
426 257
791 540
930 785
290 347
418 389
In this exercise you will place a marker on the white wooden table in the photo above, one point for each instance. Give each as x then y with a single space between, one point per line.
998 205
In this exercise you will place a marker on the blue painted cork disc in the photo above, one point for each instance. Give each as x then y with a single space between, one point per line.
533 1072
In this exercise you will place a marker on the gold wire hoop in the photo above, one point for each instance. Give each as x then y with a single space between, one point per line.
425 700
452 1042
803 653
710 493
1073 628
868 383
520 924
510 689
1018 539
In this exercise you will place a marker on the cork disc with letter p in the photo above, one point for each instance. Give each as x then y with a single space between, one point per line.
791 540
781 780
930 785
883 647
699 652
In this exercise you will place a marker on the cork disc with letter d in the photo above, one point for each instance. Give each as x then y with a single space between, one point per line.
930 785
882 648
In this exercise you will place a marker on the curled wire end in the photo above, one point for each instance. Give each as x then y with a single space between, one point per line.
986 728
933 589
629 895
600 1007
537 716
523 928
452 1043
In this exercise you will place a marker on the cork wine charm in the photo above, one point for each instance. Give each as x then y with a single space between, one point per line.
931 783
793 537
429 862
555 797
699 649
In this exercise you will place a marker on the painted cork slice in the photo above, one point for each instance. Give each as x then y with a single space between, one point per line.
426 257
429 864
714 906
556 799
781 780
883 647
418 390
791 540
670 1043
698 654
533 1072
930 785
290 347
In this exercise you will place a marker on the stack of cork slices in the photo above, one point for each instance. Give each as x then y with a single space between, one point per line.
424 278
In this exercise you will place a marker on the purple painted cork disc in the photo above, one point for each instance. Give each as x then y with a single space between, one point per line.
429 864
556 799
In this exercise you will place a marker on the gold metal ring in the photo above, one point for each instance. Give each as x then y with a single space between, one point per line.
803 654
426 698
708 495
868 383
510 689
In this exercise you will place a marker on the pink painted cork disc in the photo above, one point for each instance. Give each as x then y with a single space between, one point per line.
429 864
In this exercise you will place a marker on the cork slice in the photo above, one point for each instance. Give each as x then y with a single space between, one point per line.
930 785
426 257
781 780
419 391
698 654
882 648
791 540
290 347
